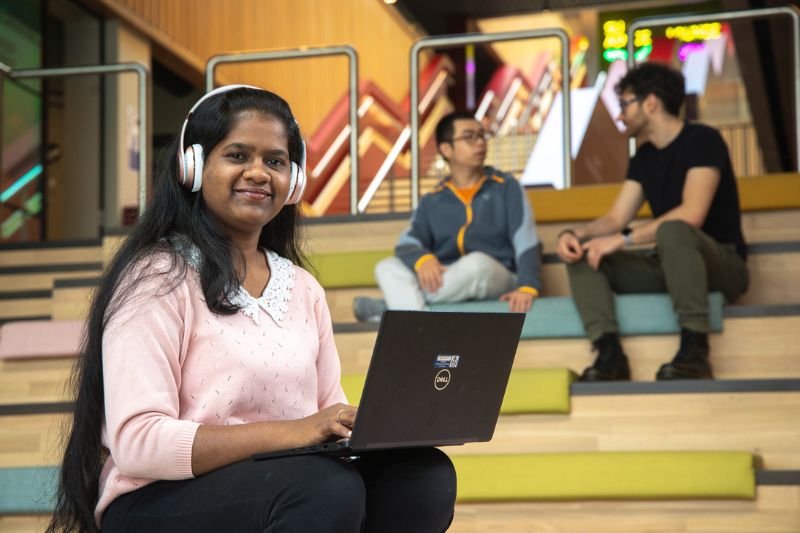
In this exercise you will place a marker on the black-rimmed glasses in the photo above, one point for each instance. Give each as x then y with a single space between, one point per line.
471 137
625 103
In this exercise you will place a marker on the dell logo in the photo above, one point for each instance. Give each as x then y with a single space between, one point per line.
442 379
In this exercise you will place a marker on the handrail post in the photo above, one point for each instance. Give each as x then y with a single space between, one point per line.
118 68
305 52
791 11
5 70
449 41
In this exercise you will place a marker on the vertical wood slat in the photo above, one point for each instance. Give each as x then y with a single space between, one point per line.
311 86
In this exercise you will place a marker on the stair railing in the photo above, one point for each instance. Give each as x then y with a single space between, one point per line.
450 41
305 53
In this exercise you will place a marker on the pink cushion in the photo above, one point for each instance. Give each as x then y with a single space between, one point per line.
40 338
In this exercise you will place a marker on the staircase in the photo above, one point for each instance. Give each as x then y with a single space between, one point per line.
751 407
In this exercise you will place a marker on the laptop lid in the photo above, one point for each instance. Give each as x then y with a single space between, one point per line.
436 378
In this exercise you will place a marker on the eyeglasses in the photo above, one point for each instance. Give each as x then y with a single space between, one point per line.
471 137
625 103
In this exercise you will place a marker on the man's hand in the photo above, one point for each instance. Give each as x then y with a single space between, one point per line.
429 275
600 247
518 301
569 248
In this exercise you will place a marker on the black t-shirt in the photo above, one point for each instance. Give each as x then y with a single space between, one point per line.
662 174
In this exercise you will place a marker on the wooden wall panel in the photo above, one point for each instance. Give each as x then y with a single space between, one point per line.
312 86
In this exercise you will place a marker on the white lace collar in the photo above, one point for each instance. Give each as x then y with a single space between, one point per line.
275 298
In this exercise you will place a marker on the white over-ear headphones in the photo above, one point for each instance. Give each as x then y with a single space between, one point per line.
190 161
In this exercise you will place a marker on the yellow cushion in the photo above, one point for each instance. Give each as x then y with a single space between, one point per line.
770 191
538 390
605 475
535 390
347 269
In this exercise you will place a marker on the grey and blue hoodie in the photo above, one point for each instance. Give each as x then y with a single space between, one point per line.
498 222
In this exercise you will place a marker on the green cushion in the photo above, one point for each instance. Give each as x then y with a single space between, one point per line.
530 390
347 269
28 490
605 475
557 317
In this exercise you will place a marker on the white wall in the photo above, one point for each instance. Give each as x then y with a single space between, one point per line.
121 123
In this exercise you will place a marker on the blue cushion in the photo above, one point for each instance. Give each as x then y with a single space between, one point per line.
28 490
556 317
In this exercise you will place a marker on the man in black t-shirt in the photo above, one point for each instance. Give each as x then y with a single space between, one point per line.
684 172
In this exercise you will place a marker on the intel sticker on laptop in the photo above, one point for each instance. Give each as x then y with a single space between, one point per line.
446 361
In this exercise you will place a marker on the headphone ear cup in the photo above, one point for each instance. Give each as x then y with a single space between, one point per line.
297 184
192 168
197 150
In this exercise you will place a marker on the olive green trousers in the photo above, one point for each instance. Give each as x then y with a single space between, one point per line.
686 263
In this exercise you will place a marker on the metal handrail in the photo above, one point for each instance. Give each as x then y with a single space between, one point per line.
450 41
791 11
397 147
142 73
305 52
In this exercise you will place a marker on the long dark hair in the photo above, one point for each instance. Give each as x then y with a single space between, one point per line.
171 210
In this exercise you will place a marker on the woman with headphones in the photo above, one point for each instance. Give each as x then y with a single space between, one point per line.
208 342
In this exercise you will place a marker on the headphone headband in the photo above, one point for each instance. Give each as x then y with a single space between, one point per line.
190 159
218 90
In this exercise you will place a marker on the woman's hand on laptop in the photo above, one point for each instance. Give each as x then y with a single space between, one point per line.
335 420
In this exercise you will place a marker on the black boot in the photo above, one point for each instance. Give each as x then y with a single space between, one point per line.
611 363
691 361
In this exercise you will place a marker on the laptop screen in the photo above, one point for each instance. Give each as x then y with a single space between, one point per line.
436 378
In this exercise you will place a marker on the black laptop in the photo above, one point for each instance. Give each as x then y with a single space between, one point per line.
435 379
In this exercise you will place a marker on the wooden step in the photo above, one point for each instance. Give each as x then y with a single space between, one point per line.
761 422
51 254
772 281
14 279
340 234
72 298
23 524
32 440
776 509
29 381
758 422
750 347
25 304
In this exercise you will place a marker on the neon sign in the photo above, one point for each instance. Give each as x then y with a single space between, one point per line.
695 32
615 39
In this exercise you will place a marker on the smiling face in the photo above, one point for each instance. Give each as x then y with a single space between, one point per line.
246 175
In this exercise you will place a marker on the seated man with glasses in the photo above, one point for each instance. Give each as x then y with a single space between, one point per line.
684 172
471 238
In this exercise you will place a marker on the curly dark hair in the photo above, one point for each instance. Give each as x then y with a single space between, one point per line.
659 79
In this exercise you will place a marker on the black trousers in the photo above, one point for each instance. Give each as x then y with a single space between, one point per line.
399 490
